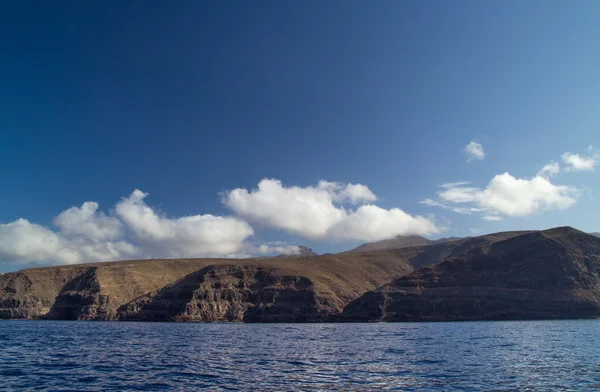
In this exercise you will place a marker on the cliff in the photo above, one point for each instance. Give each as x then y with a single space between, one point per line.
549 274
268 289
511 275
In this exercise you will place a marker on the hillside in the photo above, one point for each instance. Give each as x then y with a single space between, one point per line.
510 275
548 274
267 289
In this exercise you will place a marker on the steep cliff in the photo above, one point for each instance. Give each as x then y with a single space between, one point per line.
247 293
549 274
512 275
269 289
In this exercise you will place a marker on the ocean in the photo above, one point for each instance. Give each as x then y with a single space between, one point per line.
464 356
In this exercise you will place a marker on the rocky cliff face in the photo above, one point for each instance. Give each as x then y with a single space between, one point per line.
246 293
549 274
286 289
513 275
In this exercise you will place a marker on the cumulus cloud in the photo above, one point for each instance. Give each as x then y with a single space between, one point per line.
474 151
508 195
22 240
372 223
85 235
86 221
356 193
579 162
190 236
319 212
329 210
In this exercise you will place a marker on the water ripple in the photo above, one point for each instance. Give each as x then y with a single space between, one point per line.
500 356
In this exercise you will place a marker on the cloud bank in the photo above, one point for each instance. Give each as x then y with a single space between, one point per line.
506 195
136 231
329 210
325 211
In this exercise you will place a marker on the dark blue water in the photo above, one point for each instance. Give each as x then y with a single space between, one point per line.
501 356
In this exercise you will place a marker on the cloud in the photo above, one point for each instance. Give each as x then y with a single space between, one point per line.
266 249
507 195
137 230
474 151
372 223
22 241
455 184
356 193
549 170
493 218
190 236
459 210
318 212
578 162
86 221
86 235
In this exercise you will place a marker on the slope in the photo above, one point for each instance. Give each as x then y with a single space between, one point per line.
548 274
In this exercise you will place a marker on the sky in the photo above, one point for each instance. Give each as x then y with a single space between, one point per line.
232 129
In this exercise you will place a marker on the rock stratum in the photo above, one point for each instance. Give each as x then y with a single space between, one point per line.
537 275
510 275
299 289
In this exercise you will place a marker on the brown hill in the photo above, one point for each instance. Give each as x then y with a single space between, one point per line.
268 289
548 274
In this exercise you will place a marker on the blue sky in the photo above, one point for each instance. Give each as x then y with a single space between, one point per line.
189 101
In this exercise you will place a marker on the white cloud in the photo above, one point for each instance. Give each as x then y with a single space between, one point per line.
578 162
507 195
22 240
458 209
136 230
549 170
266 249
372 223
190 236
357 193
455 184
317 212
85 235
85 220
510 196
493 218
474 151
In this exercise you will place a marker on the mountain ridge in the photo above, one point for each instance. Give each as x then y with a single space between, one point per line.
553 273
508 275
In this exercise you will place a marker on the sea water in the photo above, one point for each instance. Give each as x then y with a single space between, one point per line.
465 356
